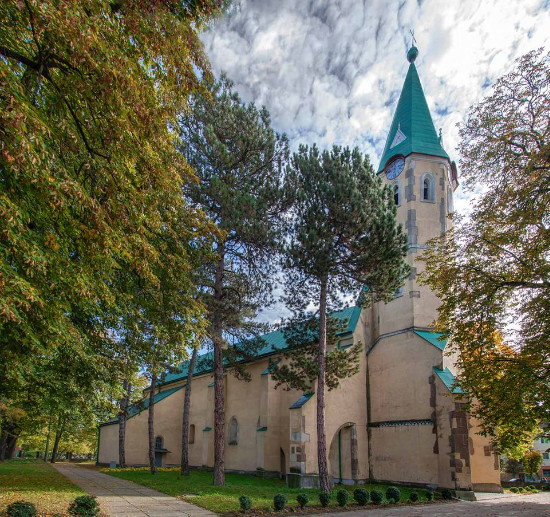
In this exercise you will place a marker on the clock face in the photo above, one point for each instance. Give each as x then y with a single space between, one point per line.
394 168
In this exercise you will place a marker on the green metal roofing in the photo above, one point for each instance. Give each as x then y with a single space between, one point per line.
433 338
207 428
301 401
142 405
274 342
412 129
270 368
261 429
449 380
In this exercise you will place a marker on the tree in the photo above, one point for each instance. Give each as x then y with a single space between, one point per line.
342 237
184 469
238 159
532 461
492 272
90 92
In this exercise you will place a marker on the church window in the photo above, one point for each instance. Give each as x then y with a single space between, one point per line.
159 442
428 188
233 432
397 193
450 204
192 433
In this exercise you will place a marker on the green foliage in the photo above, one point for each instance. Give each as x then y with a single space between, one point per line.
391 500
84 506
324 498
21 509
376 497
493 268
302 499
413 497
342 497
361 496
245 503
393 492
521 490
279 502
514 489
532 461
429 495
446 494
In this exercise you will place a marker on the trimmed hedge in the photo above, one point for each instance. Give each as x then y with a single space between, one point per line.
324 498
302 499
84 506
279 502
394 493
376 497
342 497
413 497
21 509
245 503
361 496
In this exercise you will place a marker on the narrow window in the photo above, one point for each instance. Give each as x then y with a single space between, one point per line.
233 432
428 188
159 442
450 204
396 193
192 434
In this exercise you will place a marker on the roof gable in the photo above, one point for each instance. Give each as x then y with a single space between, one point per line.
437 339
449 380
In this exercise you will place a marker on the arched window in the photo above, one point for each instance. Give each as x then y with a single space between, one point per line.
159 442
428 188
397 193
233 432
191 434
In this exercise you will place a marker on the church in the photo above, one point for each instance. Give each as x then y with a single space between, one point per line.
401 418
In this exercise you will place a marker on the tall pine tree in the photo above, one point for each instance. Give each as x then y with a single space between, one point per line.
342 237
238 159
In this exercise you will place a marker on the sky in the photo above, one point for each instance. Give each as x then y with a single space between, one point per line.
331 71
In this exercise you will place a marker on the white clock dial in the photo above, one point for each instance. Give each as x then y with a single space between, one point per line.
394 168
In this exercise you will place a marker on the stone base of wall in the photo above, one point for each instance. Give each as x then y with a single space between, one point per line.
487 487
465 495
294 480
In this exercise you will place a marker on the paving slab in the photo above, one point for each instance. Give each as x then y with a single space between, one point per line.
121 498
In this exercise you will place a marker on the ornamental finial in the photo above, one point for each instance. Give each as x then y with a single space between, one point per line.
413 51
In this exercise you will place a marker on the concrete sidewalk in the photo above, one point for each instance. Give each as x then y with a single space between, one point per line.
121 498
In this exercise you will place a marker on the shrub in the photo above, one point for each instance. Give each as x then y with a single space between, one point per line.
245 503
361 496
429 495
377 497
514 489
391 500
446 494
84 506
279 502
21 509
302 499
413 497
342 497
521 489
393 493
324 499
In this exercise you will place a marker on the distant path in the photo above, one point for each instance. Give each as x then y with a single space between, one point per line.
121 498
487 505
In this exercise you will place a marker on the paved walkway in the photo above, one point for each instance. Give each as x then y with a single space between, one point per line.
121 498
488 505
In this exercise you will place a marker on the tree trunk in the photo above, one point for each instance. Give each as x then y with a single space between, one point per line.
219 410
122 417
56 441
151 423
3 444
324 483
185 422
12 442
47 442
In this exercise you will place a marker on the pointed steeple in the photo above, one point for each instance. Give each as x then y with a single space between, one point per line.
412 129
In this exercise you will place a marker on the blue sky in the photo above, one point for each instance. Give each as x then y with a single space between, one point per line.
330 71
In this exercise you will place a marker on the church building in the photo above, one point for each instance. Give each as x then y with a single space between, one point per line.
400 419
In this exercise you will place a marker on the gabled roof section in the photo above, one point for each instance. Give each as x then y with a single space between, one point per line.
433 338
412 129
449 380
274 342
142 405
301 401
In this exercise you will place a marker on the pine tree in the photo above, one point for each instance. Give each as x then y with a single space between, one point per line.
342 237
238 159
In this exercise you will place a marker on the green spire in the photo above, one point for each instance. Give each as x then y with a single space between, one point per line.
412 129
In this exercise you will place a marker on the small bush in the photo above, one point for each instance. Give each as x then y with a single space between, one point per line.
413 497
21 509
429 495
361 496
342 497
245 503
279 502
393 492
84 506
446 494
324 499
514 489
302 499
391 500
521 489
376 497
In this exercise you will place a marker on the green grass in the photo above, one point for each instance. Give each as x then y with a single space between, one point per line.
198 489
36 482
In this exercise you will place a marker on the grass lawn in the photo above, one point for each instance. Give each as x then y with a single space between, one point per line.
198 489
36 482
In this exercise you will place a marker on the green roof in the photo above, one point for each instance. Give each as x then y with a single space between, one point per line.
301 401
449 380
412 129
261 429
433 338
274 342
142 405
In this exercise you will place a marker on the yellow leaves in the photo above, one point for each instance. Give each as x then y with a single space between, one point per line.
51 242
